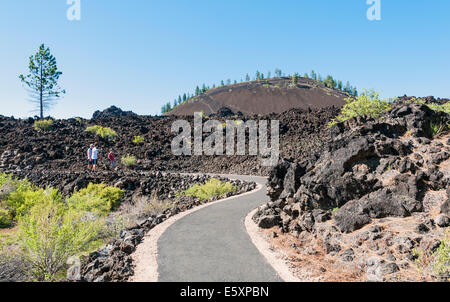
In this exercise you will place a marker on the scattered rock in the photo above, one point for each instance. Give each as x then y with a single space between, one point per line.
442 221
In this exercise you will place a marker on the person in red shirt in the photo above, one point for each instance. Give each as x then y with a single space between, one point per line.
112 158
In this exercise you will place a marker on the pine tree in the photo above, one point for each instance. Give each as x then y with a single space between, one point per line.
330 82
197 91
347 87
295 79
247 78
42 81
339 85
278 72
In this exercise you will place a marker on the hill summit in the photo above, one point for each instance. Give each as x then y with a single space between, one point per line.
275 95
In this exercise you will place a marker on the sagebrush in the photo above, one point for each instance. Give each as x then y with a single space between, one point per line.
103 132
44 125
212 188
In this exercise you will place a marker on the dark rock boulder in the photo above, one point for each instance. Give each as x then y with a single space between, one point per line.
225 112
445 208
112 111
267 222
370 169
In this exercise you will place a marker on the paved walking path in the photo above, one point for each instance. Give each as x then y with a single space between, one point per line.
212 245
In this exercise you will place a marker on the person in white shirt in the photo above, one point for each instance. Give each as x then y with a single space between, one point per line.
94 158
89 155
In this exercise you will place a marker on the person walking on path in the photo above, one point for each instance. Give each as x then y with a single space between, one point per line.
112 158
89 154
94 158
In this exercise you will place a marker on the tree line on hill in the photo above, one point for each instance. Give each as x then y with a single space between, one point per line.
328 81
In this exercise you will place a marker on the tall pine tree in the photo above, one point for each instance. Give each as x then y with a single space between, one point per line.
42 81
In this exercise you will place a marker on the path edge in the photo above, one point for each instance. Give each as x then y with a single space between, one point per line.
145 257
272 257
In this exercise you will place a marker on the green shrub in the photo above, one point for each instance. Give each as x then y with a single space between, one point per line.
438 128
434 264
138 139
4 178
443 108
435 107
212 188
26 196
366 104
6 219
128 160
103 132
441 266
96 198
51 233
44 125
20 195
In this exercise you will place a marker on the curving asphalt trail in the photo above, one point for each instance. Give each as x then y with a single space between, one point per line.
212 245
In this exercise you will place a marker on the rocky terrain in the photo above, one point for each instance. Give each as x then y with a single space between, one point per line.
275 95
63 148
369 203
360 201
57 158
113 263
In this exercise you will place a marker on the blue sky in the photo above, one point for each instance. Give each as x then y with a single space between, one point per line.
139 54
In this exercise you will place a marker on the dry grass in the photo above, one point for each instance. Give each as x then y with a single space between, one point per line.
130 213
320 265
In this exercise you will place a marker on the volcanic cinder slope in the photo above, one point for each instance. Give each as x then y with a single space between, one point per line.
264 97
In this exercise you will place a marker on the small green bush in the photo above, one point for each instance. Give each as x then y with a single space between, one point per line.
212 188
128 160
6 219
435 107
44 125
19 196
438 128
26 196
443 108
138 139
5 178
366 104
103 132
51 233
441 266
96 198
